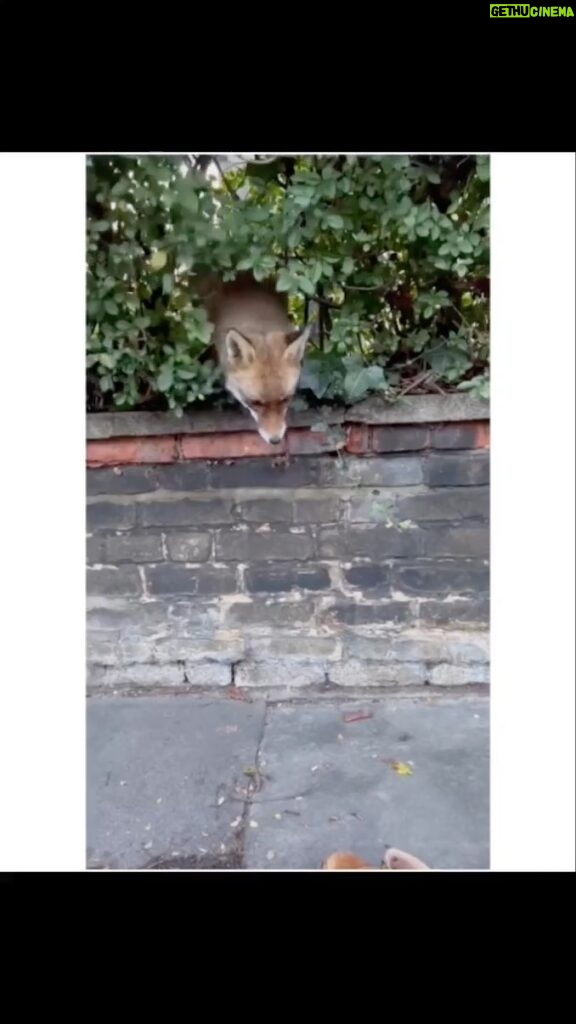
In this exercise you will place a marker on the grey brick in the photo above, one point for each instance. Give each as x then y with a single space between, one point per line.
280 673
185 512
103 647
457 470
459 675
399 439
297 648
375 471
368 577
271 472
270 615
110 582
223 645
121 480
132 547
275 580
454 541
384 613
377 542
238 545
131 617
208 673
460 503
451 614
441 578
179 579
317 510
182 476
358 673
395 649
135 676
370 506
454 435
109 515
266 510
189 547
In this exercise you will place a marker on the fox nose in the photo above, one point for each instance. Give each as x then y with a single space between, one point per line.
276 439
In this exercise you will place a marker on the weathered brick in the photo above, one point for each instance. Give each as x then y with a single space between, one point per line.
375 471
463 577
368 577
117 451
399 439
223 645
457 470
460 503
188 547
358 673
103 647
277 579
271 472
454 541
316 510
459 675
475 434
370 506
230 445
135 676
122 480
113 582
384 613
131 617
451 614
181 476
208 673
396 649
185 512
109 515
237 545
131 547
279 673
297 648
179 579
266 510
270 615
375 542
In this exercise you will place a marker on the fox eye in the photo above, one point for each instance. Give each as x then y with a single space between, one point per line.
256 405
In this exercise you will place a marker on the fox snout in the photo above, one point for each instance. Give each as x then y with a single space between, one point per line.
271 422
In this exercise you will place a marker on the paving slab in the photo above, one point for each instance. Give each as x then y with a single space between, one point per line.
163 776
334 785
190 782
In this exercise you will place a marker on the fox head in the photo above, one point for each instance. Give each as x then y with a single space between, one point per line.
262 372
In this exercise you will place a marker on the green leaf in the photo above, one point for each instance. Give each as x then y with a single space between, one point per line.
166 377
158 259
359 382
167 283
348 266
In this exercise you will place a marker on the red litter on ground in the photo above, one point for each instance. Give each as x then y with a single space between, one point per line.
356 716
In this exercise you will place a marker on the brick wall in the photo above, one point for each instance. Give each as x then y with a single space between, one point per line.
364 566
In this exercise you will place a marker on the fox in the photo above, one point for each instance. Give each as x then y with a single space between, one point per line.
393 860
258 348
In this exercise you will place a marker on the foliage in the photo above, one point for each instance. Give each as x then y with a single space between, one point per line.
390 255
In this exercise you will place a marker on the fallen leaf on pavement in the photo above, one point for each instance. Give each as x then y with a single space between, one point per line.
401 769
356 716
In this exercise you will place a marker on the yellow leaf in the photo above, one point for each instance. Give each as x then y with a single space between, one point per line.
158 260
401 769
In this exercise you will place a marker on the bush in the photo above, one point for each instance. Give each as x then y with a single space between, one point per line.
389 254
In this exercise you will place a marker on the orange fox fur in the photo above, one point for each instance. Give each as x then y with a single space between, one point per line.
394 860
258 348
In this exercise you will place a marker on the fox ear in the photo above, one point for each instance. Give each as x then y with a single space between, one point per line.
296 343
238 348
